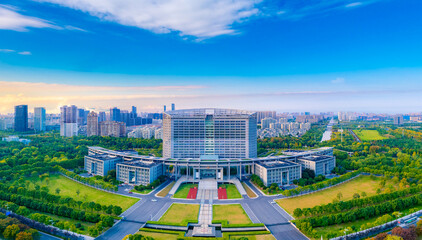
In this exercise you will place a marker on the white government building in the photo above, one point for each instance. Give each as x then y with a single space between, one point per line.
211 143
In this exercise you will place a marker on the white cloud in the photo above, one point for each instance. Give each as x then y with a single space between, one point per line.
24 53
12 20
7 50
355 4
198 18
338 80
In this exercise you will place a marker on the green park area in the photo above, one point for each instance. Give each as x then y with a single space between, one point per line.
80 192
232 192
361 184
183 190
233 213
368 135
248 190
180 213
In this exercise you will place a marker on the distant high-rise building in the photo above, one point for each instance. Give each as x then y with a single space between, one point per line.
115 114
265 123
266 114
39 119
21 118
133 113
165 108
112 128
398 120
69 121
92 124
124 116
173 107
102 117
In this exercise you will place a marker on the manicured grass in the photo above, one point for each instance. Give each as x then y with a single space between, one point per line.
232 192
248 190
255 237
69 187
166 190
183 190
233 213
159 236
357 185
368 135
177 213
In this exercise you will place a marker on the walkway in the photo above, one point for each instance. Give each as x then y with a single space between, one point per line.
204 221
207 189
177 185
327 134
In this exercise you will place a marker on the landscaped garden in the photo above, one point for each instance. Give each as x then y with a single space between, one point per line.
248 190
183 190
232 213
231 190
166 190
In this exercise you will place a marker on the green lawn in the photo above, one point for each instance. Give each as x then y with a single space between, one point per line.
183 190
159 235
357 185
166 190
232 192
233 213
177 213
368 135
69 187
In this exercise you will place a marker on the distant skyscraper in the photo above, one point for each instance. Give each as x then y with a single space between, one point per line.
133 113
102 117
21 118
69 121
398 120
39 119
173 107
92 124
165 108
115 114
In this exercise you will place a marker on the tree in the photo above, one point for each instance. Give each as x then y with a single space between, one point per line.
11 231
363 194
57 191
356 195
24 236
339 196
78 192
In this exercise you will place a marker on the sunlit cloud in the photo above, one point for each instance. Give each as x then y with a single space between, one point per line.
10 19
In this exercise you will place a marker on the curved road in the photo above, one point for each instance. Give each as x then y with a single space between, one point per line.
260 210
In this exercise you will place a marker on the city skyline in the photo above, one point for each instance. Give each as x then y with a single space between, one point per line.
336 55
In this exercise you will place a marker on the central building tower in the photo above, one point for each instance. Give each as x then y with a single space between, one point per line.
209 133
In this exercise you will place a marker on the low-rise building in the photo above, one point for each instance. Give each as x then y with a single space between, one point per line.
280 172
320 164
100 164
138 172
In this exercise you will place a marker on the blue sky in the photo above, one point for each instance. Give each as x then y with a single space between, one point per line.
289 55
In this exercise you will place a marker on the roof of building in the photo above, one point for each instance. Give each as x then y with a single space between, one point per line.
315 158
104 157
277 164
208 111
140 163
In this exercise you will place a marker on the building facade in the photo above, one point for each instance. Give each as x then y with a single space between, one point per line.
69 121
320 164
101 164
138 172
39 119
279 172
92 128
113 129
197 132
21 118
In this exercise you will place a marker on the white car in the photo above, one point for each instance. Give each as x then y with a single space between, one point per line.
153 200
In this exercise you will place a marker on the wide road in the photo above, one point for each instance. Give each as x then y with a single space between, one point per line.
261 210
